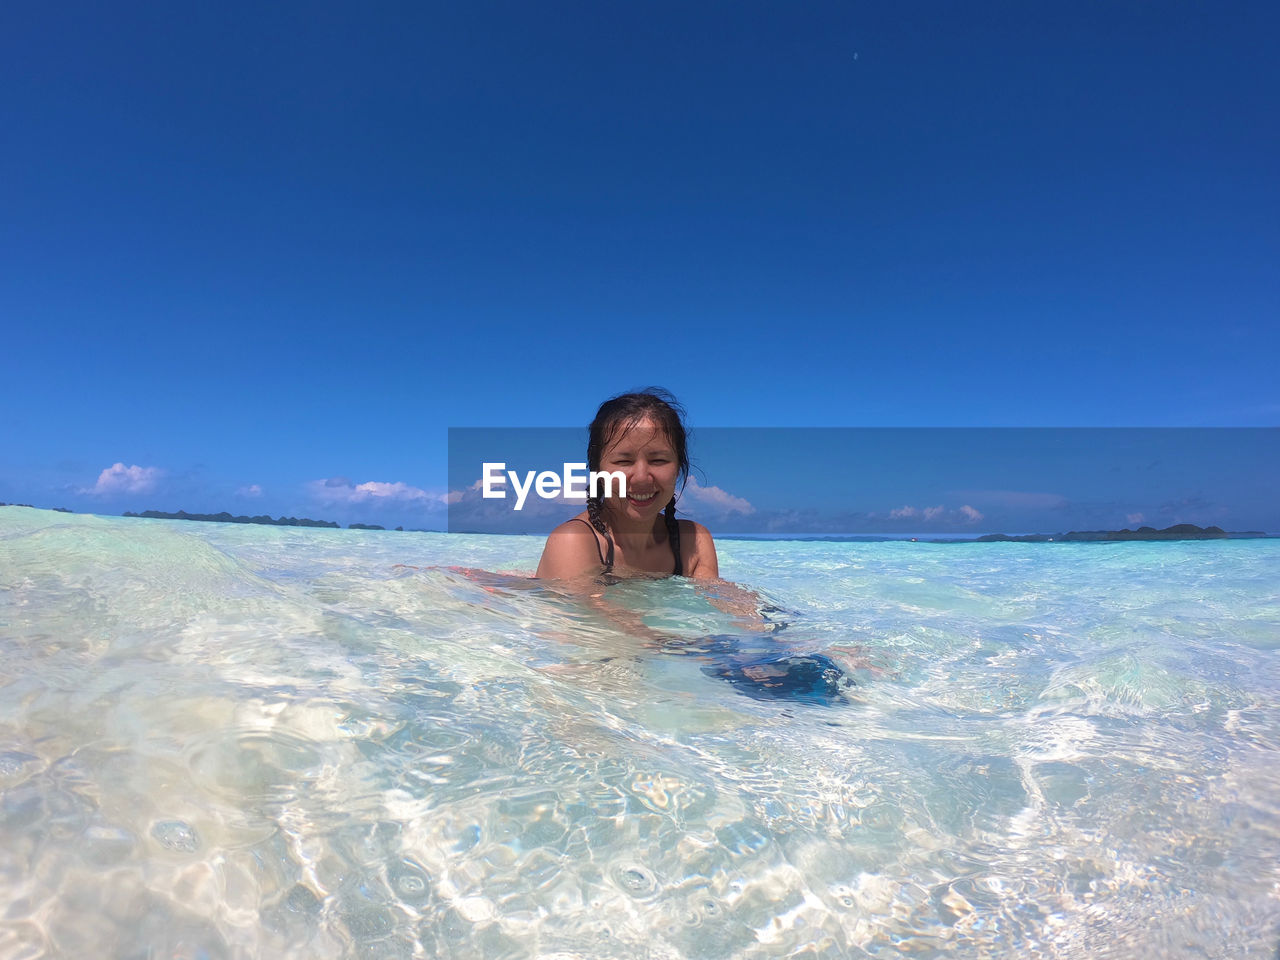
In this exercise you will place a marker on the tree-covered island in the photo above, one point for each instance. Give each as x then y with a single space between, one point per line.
225 517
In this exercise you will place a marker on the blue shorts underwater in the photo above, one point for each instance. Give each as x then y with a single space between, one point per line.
757 668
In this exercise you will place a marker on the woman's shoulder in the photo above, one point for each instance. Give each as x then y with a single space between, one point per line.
571 550
577 525
577 534
693 530
700 550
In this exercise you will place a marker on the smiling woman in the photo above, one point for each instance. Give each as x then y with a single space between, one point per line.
642 436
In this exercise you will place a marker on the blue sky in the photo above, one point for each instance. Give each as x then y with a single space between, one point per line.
262 257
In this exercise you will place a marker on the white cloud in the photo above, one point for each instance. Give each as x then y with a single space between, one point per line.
118 478
964 514
908 512
1133 518
253 490
715 498
377 490
342 490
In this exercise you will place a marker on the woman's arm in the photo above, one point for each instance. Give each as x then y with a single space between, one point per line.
703 563
728 597
743 605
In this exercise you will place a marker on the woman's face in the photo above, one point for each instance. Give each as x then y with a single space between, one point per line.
645 456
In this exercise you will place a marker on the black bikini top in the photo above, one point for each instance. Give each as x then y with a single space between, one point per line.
673 537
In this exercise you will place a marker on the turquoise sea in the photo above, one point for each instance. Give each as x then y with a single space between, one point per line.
225 741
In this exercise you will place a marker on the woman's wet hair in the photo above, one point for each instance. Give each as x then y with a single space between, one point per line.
624 411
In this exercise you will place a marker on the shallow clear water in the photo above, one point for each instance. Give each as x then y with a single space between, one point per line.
242 741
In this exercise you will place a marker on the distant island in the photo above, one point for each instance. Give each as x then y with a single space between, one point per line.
1179 531
225 517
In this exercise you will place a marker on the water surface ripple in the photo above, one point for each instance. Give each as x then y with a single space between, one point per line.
233 741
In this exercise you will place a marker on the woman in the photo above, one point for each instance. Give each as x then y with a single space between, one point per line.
642 436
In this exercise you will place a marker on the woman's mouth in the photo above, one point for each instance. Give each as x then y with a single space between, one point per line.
642 498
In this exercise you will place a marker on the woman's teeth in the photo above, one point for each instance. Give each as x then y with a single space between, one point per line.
642 497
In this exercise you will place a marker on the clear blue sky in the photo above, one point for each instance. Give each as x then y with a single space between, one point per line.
261 255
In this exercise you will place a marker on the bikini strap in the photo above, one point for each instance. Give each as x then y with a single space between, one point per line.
607 561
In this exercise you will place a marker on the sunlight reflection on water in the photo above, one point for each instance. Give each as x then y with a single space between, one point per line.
234 741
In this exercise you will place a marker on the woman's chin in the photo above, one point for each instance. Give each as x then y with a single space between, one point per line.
642 510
